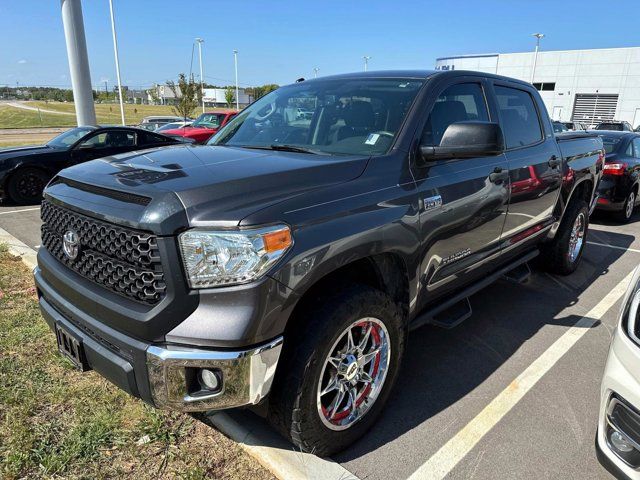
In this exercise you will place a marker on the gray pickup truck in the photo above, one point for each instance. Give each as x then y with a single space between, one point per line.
285 263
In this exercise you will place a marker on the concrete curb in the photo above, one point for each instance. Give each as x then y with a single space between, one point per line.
16 247
273 452
259 441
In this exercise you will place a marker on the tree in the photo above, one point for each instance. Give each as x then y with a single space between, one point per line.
188 95
153 94
229 97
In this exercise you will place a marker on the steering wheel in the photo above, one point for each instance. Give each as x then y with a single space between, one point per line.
271 111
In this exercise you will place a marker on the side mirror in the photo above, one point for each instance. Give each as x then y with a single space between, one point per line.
466 140
86 146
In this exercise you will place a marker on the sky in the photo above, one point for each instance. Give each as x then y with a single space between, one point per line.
283 40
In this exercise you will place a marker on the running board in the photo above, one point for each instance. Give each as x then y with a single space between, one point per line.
451 312
519 274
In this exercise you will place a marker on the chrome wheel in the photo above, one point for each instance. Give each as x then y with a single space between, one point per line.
577 237
628 208
353 373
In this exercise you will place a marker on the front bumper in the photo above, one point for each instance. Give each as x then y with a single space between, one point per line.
621 380
162 374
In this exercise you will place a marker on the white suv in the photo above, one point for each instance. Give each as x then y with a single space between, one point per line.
618 437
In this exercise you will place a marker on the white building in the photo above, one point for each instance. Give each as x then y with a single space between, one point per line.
582 85
215 97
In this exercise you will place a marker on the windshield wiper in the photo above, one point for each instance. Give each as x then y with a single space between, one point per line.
283 148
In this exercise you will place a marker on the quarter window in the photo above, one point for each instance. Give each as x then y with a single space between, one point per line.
457 103
520 120
636 147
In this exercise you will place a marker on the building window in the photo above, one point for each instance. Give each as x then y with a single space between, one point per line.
547 87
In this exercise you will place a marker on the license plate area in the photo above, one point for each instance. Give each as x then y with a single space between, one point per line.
71 348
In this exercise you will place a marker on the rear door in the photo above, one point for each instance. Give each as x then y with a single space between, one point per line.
535 165
463 202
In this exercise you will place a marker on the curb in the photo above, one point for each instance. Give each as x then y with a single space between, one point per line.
245 428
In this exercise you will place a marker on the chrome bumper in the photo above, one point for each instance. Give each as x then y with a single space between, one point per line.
246 376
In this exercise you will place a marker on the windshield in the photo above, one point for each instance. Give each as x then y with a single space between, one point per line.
68 138
559 127
610 126
610 143
208 120
350 116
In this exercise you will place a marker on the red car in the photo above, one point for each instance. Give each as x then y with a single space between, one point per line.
204 126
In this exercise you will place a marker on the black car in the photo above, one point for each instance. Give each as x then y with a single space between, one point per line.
615 126
24 171
619 186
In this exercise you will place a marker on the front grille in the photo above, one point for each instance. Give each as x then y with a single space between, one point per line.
123 260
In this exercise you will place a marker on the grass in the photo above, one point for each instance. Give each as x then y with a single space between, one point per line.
12 117
58 423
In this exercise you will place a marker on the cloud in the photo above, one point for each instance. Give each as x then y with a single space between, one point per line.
21 62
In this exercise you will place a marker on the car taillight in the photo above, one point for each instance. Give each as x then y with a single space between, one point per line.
615 168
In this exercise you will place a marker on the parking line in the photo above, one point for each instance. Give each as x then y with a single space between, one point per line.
451 453
20 210
614 246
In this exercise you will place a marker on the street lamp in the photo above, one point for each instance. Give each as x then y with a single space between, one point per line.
235 61
200 41
366 62
535 55
115 49
315 72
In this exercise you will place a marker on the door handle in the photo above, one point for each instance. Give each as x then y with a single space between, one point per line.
554 162
498 175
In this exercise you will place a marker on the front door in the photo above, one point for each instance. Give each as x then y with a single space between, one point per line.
463 202
535 166
103 144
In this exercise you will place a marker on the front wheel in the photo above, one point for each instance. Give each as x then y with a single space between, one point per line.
337 370
563 254
25 186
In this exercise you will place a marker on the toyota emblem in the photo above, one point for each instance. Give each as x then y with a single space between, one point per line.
71 244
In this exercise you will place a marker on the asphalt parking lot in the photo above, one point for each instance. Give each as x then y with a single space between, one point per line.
450 377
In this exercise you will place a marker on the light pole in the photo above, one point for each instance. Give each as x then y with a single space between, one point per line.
235 61
315 72
366 59
78 61
115 50
535 55
200 41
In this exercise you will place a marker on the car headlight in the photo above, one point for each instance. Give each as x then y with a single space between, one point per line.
230 257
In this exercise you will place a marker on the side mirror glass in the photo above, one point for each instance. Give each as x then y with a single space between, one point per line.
466 140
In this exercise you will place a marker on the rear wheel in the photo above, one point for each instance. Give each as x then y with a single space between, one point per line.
563 254
337 370
629 205
25 186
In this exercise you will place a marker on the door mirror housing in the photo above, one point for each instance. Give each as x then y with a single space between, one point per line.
466 140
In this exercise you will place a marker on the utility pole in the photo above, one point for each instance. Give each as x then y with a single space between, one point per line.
200 42
366 62
235 61
535 55
115 49
78 61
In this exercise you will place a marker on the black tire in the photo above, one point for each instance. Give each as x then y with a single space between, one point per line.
556 255
624 215
26 185
293 407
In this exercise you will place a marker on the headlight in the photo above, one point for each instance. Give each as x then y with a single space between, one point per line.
229 257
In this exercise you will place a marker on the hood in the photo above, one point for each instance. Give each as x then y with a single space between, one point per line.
188 130
13 152
217 185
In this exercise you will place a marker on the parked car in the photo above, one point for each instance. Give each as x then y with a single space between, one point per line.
575 126
172 125
24 171
618 436
286 262
154 122
204 126
615 126
618 190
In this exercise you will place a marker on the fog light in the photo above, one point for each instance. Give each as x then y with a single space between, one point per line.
620 442
209 379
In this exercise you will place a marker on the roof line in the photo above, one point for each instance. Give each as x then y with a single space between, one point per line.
482 55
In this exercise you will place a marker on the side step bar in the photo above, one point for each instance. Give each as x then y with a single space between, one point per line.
453 311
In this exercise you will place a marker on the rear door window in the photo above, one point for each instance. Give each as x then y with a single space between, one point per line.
520 119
